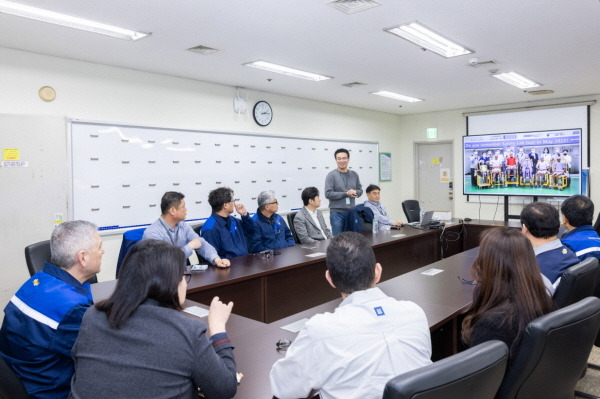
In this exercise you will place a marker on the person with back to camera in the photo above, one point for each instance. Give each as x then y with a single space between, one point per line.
509 292
171 227
540 224
367 340
42 319
223 231
342 187
270 230
309 222
137 343
577 215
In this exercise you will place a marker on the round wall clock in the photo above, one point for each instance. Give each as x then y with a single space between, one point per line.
263 113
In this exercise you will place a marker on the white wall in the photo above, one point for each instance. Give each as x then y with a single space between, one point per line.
102 93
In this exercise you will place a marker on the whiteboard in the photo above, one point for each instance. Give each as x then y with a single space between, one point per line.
120 172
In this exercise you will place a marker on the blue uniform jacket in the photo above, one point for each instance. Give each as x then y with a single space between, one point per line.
227 236
584 241
41 324
269 233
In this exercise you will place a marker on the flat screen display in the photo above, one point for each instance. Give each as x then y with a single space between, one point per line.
536 163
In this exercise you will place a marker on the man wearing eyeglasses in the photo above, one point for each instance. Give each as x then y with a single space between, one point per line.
224 231
342 187
270 230
370 337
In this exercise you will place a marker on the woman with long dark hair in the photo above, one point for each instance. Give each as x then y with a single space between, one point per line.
509 291
137 343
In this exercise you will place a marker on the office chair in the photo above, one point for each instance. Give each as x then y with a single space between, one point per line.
290 220
474 373
553 353
359 219
39 253
577 282
11 386
412 210
130 237
597 225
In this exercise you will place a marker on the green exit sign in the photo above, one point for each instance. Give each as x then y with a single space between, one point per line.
432 133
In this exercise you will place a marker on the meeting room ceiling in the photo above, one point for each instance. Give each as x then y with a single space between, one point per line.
553 42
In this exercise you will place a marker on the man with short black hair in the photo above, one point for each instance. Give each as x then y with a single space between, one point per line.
379 212
223 231
342 187
540 224
369 338
270 230
581 238
309 222
172 228
42 320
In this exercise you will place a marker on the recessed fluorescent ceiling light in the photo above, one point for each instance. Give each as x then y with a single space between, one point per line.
267 66
513 78
397 96
52 17
426 38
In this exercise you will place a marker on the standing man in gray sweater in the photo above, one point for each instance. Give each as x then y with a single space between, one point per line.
342 187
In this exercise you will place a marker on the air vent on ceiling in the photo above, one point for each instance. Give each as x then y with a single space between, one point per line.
352 84
352 6
204 50
476 64
538 92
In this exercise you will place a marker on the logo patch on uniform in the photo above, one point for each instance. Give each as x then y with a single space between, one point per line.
36 282
564 251
379 311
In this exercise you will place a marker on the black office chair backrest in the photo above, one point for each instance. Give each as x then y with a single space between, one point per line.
474 373
577 282
553 353
411 210
597 225
36 255
290 220
39 253
10 385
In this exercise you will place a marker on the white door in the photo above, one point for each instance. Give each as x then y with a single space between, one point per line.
434 176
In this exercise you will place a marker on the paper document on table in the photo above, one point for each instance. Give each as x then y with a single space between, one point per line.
295 326
442 215
196 311
432 272
314 255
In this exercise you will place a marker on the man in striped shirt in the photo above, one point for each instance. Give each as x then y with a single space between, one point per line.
42 320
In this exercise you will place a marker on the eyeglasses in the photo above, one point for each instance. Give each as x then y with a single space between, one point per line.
188 277
273 203
465 281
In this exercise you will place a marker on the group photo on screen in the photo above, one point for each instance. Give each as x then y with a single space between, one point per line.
543 163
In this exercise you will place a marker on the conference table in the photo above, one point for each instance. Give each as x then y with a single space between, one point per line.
271 288
274 291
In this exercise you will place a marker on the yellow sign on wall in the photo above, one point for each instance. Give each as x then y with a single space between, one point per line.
11 154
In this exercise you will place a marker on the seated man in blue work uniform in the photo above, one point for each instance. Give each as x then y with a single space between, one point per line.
270 230
369 339
577 215
540 224
172 228
223 231
42 320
